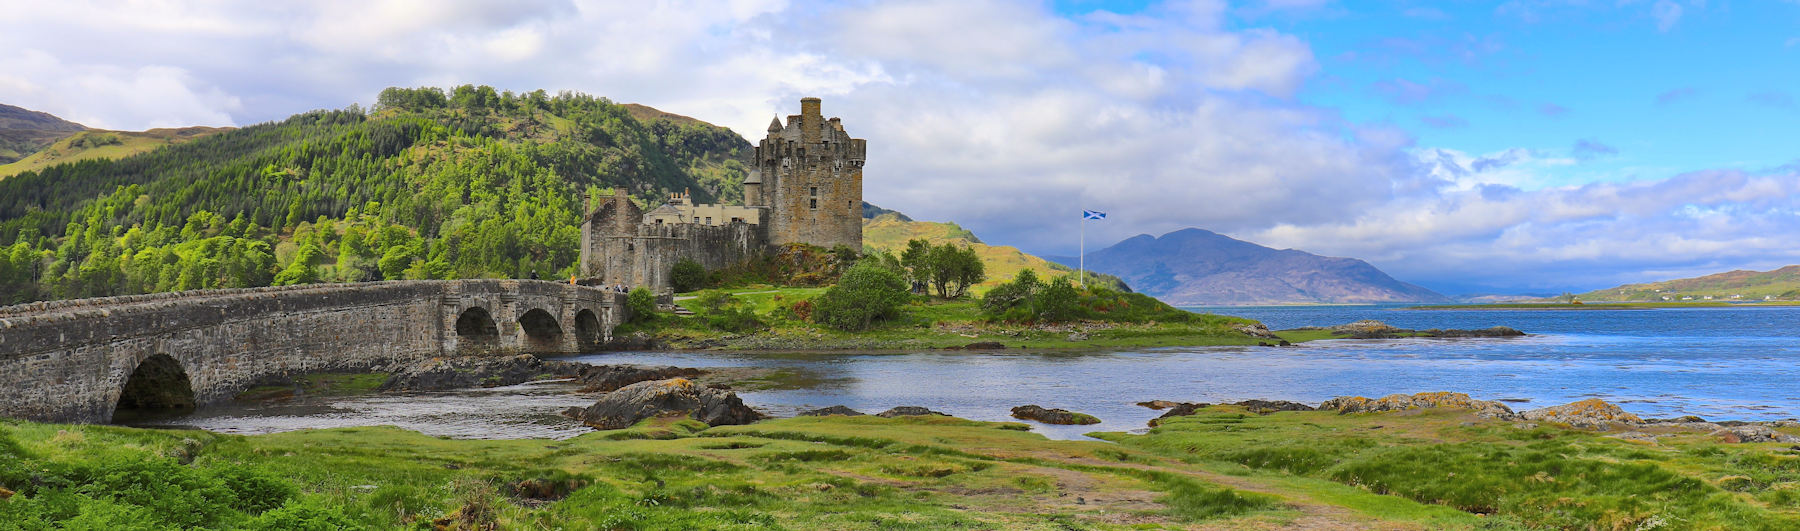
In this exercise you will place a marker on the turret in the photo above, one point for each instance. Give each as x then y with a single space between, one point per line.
753 196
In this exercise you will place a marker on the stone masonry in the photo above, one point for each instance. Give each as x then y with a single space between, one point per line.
69 361
805 186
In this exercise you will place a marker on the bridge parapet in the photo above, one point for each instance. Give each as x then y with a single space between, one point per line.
70 360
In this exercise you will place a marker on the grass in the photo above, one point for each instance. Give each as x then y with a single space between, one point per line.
1538 477
841 473
1221 468
931 323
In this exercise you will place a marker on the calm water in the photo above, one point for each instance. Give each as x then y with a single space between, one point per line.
1719 363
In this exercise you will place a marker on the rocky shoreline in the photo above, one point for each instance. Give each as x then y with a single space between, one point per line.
1591 414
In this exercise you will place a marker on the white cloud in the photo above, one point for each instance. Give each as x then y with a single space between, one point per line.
998 114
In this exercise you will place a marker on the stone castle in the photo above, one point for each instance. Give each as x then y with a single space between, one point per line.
805 186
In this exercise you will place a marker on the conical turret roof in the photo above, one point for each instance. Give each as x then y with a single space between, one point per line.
775 125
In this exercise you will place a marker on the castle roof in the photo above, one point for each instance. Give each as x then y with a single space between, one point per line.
755 177
665 209
775 125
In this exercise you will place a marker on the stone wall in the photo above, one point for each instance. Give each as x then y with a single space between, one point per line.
617 251
69 361
811 171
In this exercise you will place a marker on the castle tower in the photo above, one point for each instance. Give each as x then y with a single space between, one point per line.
809 175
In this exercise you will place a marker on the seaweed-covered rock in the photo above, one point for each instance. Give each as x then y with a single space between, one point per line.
1182 409
908 411
667 398
1158 404
1264 407
1753 434
1440 399
1052 416
438 374
833 410
1590 413
607 378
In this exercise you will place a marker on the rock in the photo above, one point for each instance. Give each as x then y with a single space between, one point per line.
1684 419
1179 410
1052 416
607 378
438 374
1159 404
1366 327
1591 413
1257 330
1753 434
908 411
833 410
984 345
1264 407
667 398
1482 408
1077 336
1498 331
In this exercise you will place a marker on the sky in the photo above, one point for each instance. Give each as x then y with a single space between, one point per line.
1529 146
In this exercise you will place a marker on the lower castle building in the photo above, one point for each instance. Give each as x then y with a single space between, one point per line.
804 186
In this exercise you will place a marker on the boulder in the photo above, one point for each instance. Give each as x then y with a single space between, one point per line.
985 345
1498 331
1753 434
833 410
1159 404
438 374
1179 410
608 378
1257 330
1440 399
677 397
1264 407
1077 336
908 411
1366 327
1591 413
1052 416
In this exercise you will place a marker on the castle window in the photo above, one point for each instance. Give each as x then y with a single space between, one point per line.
815 203
696 219
709 220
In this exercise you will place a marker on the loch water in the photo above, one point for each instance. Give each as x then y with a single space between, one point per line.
1734 363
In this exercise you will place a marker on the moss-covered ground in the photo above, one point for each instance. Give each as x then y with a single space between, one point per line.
929 323
1223 468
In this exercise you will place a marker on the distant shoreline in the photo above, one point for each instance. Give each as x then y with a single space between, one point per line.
1602 305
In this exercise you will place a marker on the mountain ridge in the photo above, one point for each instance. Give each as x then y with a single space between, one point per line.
1740 284
1197 267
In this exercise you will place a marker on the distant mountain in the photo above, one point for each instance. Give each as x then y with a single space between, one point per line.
24 131
890 231
1780 284
103 144
1194 267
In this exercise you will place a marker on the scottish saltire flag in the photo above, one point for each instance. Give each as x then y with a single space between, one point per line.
1092 214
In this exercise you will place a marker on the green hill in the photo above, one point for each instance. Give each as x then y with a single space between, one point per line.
1780 284
102 144
24 131
890 231
430 183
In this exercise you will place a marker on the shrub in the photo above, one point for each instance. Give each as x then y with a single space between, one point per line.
1058 301
642 305
687 275
868 293
735 321
712 300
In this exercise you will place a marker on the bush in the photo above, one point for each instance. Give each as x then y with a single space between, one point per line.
867 293
642 305
735 321
712 300
687 275
1058 301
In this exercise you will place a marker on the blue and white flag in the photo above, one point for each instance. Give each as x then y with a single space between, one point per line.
1092 214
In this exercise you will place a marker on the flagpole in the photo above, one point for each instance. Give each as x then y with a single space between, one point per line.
1081 262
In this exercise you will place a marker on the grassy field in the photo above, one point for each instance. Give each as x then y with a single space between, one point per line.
1220 469
928 324
1002 262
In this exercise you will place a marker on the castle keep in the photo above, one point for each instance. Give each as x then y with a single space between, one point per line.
804 186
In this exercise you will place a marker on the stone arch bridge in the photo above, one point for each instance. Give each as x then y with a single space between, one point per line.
80 360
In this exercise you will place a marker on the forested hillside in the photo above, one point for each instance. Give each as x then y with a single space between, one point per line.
429 184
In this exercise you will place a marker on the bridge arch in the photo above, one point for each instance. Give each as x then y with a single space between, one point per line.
158 384
587 330
542 332
476 330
